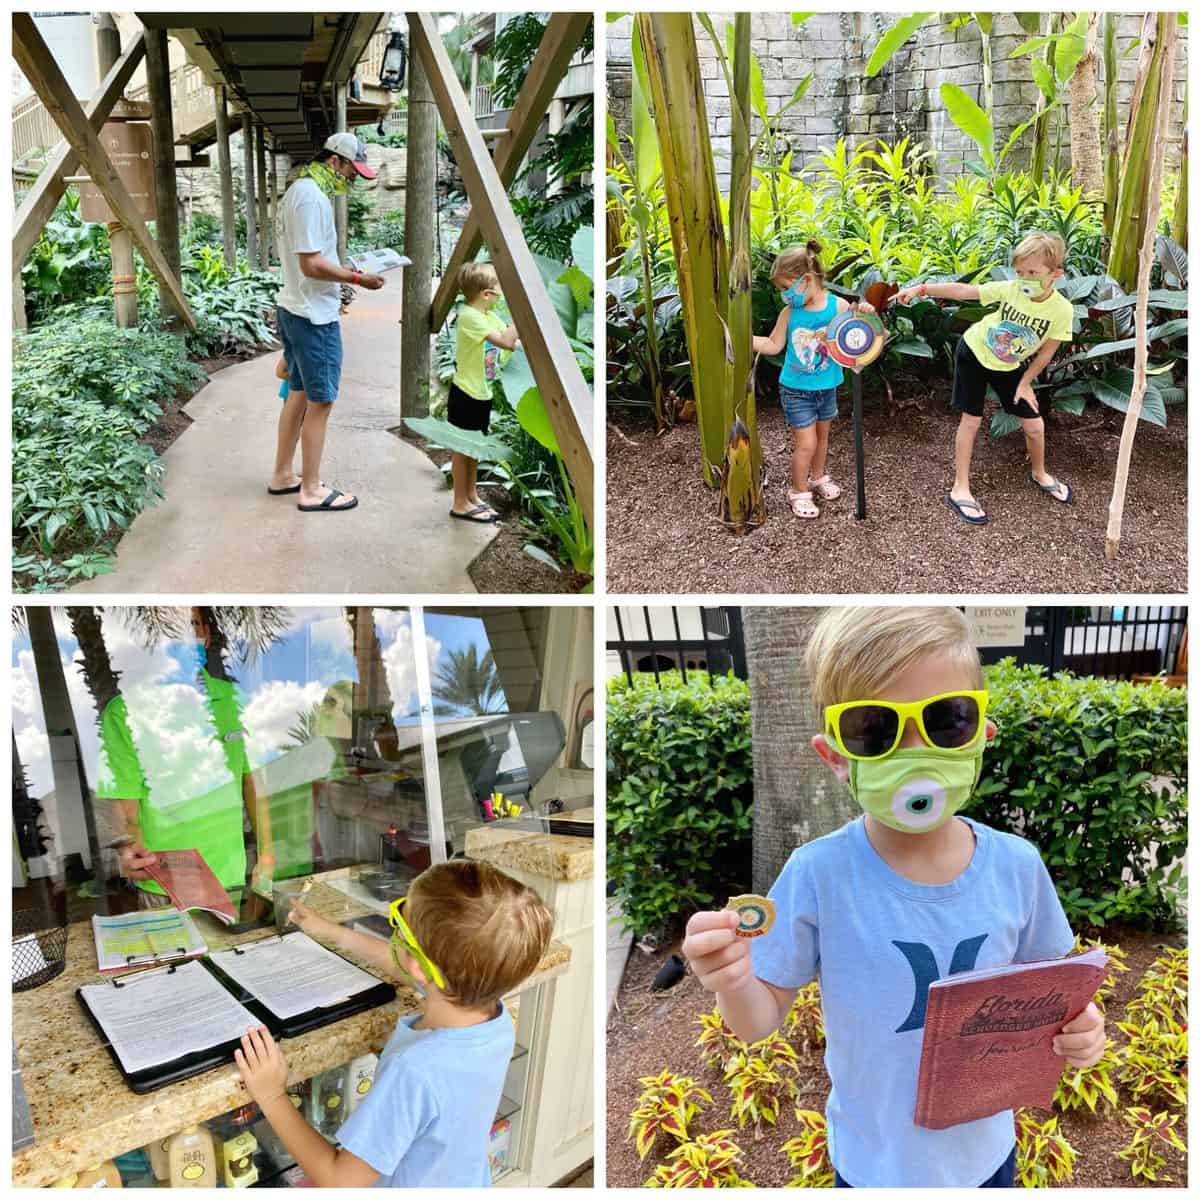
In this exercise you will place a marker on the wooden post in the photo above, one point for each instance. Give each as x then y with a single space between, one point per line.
41 199
20 320
35 60
419 187
341 204
225 170
564 31
248 165
273 194
124 273
561 384
166 219
260 175
1141 349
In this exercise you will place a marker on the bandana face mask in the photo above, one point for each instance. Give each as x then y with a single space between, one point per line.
918 789
327 179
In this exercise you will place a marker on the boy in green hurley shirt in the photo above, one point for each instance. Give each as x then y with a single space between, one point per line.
1008 348
480 335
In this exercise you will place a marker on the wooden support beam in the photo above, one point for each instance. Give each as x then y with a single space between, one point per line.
248 188
260 175
41 199
561 383
35 60
420 190
162 120
564 32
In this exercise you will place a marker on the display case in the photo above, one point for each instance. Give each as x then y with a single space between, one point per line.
377 741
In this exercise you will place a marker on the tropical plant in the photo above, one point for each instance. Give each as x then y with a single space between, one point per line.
464 682
718 1043
809 1152
805 1023
667 1105
1150 1132
1115 966
71 260
1089 1087
1154 1063
707 1161
760 1079
1163 988
1044 1156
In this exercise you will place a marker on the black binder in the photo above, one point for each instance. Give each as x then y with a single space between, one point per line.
196 1063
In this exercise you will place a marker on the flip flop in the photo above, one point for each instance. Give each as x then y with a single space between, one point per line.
959 505
283 491
327 504
471 518
1052 490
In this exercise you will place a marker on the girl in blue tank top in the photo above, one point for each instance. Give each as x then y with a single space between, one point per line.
809 381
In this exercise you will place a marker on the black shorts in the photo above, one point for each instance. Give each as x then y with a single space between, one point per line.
971 379
466 412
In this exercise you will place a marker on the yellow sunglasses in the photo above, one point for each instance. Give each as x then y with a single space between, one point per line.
867 729
405 934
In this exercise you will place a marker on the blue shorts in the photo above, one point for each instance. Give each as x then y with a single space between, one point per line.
802 409
313 354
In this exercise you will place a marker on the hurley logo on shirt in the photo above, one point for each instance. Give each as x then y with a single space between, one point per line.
925 970
998 1014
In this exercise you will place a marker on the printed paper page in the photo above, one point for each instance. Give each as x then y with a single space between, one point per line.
162 933
294 974
157 1017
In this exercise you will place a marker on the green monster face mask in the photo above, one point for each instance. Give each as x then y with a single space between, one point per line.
916 790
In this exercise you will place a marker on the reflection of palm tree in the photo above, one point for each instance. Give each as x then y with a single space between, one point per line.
466 681
247 630
304 730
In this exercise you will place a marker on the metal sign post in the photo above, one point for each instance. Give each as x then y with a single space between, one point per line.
860 508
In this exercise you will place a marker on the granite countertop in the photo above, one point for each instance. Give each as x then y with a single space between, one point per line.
552 855
84 1112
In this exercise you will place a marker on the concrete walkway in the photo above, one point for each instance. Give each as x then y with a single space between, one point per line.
618 943
217 530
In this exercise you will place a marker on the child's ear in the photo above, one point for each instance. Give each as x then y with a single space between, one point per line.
831 758
989 730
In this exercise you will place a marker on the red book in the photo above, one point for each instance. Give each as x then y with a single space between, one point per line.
989 1037
189 882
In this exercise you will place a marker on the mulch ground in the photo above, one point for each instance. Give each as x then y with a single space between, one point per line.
649 1031
504 566
664 535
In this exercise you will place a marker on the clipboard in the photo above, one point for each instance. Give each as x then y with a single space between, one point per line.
371 997
185 1066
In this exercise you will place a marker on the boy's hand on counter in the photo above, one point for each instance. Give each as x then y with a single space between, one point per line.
307 919
262 1066
718 957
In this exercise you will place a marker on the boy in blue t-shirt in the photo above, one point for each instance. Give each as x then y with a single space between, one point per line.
906 894
467 935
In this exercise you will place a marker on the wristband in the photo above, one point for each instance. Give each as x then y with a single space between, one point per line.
923 290
355 278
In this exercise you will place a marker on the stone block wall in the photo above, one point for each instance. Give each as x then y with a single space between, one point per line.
904 99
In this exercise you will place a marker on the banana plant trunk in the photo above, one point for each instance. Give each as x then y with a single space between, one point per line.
694 212
1087 164
1112 134
1135 197
1041 131
1180 218
1162 56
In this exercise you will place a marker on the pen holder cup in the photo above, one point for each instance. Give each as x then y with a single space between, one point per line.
39 924
282 896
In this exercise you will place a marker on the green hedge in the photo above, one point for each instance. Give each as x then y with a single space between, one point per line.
1094 773
680 780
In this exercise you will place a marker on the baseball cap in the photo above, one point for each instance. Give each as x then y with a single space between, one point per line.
352 149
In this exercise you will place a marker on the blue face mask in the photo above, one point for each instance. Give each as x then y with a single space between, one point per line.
196 658
796 295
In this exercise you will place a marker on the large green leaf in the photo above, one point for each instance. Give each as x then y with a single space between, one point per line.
1030 22
914 347
971 119
578 276
471 442
535 420
516 377
1043 78
892 40
1115 389
645 139
1020 129
1070 47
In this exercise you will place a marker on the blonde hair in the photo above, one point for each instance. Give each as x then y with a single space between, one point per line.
477 277
796 261
855 651
1048 246
482 929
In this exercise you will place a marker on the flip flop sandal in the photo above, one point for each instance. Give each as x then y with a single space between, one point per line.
327 505
471 517
802 505
825 488
291 491
960 505
1052 490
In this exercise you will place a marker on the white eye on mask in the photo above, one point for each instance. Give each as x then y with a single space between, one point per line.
1032 287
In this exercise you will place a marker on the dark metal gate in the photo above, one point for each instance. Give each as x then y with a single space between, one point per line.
642 645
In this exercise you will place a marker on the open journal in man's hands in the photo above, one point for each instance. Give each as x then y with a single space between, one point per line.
989 1036
190 883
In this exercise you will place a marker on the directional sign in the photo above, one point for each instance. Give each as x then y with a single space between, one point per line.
130 146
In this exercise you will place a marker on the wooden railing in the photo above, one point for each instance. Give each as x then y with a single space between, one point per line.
33 129
482 106
192 106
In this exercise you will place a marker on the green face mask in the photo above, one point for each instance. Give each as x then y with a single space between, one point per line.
916 790
327 179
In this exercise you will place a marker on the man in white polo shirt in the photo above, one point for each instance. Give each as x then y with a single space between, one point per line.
307 312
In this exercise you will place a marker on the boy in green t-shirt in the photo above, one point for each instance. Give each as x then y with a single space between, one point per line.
1008 349
479 336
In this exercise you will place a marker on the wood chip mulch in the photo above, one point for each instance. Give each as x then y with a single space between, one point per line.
649 1031
664 535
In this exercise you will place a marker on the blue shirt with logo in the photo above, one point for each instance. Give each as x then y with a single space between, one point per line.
876 941
808 365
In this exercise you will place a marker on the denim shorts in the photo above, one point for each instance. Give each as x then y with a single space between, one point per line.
313 354
802 409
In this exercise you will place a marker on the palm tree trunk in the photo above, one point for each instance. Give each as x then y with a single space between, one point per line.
796 797
1135 197
1112 135
1087 164
1163 54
